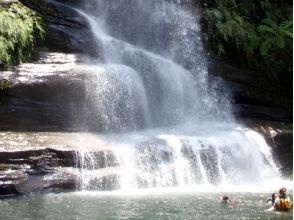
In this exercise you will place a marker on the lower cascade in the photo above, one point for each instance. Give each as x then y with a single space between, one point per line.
163 121
178 157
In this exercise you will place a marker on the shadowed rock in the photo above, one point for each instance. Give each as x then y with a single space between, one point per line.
67 30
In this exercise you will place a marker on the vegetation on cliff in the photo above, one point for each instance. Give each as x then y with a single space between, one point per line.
255 34
20 30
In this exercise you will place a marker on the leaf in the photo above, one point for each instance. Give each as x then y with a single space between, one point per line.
265 29
265 47
220 49
19 30
280 43
286 25
271 23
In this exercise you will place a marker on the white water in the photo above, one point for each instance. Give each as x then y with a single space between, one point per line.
159 111
225 158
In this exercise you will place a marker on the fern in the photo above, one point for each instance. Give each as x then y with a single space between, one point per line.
265 47
258 34
20 29
275 37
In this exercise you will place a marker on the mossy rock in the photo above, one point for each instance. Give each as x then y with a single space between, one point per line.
5 84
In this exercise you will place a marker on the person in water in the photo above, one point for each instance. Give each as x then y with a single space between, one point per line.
226 200
274 200
284 203
283 193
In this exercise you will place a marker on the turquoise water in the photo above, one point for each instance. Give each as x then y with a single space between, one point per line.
173 206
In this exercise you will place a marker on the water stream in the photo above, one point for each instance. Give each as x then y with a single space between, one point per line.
174 206
158 108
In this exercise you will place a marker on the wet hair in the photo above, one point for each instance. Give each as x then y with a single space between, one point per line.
282 190
225 198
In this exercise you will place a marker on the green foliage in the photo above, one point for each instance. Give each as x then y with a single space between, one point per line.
276 46
229 27
20 29
275 37
258 34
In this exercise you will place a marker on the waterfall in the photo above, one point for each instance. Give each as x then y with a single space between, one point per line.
159 112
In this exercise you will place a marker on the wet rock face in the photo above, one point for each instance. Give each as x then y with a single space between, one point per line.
42 96
283 151
67 30
254 94
51 162
44 170
27 171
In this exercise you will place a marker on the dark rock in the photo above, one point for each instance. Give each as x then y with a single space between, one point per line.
59 181
74 3
39 165
44 95
68 39
42 106
7 190
9 179
67 30
255 95
14 176
39 159
22 182
1 66
261 112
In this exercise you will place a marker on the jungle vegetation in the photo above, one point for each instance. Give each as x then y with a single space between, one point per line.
20 31
256 34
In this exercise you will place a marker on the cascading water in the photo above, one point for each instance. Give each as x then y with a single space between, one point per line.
158 110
